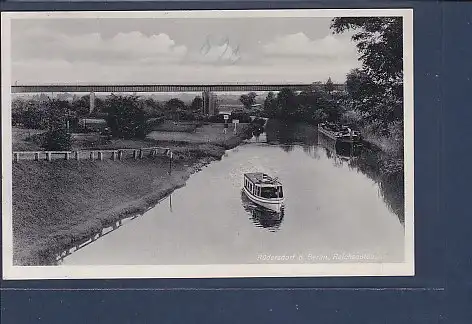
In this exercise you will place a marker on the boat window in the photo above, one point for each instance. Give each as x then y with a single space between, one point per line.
280 192
269 192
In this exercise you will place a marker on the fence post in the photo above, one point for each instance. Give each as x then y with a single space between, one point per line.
16 157
77 155
135 154
48 156
141 154
36 156
120 155
100 155
67 155
91 155
113 154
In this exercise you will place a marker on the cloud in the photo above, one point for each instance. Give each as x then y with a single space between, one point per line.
92 47
49 56
299 45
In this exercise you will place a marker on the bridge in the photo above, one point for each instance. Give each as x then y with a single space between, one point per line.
209 98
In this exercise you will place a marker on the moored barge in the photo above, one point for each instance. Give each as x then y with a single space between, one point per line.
340 133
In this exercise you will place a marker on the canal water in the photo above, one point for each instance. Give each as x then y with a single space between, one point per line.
335 211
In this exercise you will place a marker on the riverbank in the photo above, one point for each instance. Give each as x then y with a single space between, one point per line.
58 204
386 167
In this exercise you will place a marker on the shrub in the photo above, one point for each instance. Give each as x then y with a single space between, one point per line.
351 117
126 118
57 140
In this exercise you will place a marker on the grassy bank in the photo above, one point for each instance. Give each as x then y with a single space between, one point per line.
58 204
21 139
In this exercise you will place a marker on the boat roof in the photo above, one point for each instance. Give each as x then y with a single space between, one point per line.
262 178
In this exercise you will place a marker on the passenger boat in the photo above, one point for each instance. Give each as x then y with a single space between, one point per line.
264 190
340 133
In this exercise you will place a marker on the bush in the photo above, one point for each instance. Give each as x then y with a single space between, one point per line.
351 117
57 140
258 122
216 119
395 130
242 117
126 118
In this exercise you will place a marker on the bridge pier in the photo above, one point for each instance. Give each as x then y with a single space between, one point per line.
92 102
209 103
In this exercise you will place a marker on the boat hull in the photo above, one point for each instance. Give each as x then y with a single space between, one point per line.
271 204
340 139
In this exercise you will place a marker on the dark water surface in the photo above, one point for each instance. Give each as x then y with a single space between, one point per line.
336 210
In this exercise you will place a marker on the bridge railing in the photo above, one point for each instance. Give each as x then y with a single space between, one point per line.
115 154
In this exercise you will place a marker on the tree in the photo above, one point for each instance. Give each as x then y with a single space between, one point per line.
30 113
359 86
197 104
248 100
286 103
126 117
57 137
380 43
152 108
270 105
81 105
329 86
175 106
377 89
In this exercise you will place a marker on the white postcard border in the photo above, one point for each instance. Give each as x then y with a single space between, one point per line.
406 268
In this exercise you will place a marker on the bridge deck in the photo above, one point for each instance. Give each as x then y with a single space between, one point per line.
160 88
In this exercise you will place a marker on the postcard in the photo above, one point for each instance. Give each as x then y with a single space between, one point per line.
200 144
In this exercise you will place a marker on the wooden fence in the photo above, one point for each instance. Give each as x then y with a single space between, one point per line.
114 155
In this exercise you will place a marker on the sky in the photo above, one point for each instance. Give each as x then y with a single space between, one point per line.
179 50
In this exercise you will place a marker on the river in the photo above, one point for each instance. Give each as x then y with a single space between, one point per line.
334 212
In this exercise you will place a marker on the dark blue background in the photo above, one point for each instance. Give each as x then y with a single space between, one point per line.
440 291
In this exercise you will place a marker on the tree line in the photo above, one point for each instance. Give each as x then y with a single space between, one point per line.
373 100
126 116
375 90
321 103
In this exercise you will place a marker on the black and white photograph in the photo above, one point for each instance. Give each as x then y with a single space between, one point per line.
207 144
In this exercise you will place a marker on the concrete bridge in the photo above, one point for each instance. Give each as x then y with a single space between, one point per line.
209 98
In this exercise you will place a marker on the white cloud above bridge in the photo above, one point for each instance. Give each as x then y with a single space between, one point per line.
179 51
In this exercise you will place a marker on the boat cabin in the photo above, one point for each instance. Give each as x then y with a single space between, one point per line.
262 185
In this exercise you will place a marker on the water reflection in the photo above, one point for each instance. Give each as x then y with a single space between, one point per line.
341 153
377 166
262 217
339 150
369 161
373 163
288 134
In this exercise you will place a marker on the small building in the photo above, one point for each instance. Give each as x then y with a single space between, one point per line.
224 112
93 124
